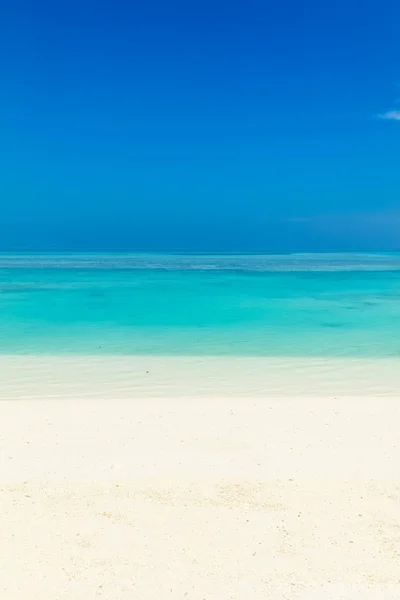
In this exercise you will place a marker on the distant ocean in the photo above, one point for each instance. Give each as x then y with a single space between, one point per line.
299 305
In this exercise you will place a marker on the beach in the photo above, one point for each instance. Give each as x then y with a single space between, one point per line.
244 494
200 301
199 427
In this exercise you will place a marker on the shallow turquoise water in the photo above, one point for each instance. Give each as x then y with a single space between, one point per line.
298 305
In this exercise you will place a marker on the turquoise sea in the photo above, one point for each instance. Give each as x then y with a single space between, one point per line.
239 305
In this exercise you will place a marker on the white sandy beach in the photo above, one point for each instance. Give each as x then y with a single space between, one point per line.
254 492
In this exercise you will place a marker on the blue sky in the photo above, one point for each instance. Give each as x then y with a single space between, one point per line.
200 125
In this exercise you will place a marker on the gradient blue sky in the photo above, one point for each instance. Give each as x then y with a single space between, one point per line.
205 125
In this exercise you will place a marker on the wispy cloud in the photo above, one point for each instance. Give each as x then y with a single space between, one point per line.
391 115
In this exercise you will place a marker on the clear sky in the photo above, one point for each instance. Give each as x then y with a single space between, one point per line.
200 125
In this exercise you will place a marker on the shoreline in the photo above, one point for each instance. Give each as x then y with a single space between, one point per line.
72 376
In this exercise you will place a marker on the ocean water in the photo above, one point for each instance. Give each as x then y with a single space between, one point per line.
233 305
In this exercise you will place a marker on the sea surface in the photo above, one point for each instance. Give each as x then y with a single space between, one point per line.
298 305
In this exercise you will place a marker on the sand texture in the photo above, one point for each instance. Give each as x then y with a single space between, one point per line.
200 498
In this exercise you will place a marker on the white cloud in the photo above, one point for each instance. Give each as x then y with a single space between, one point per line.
391 115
